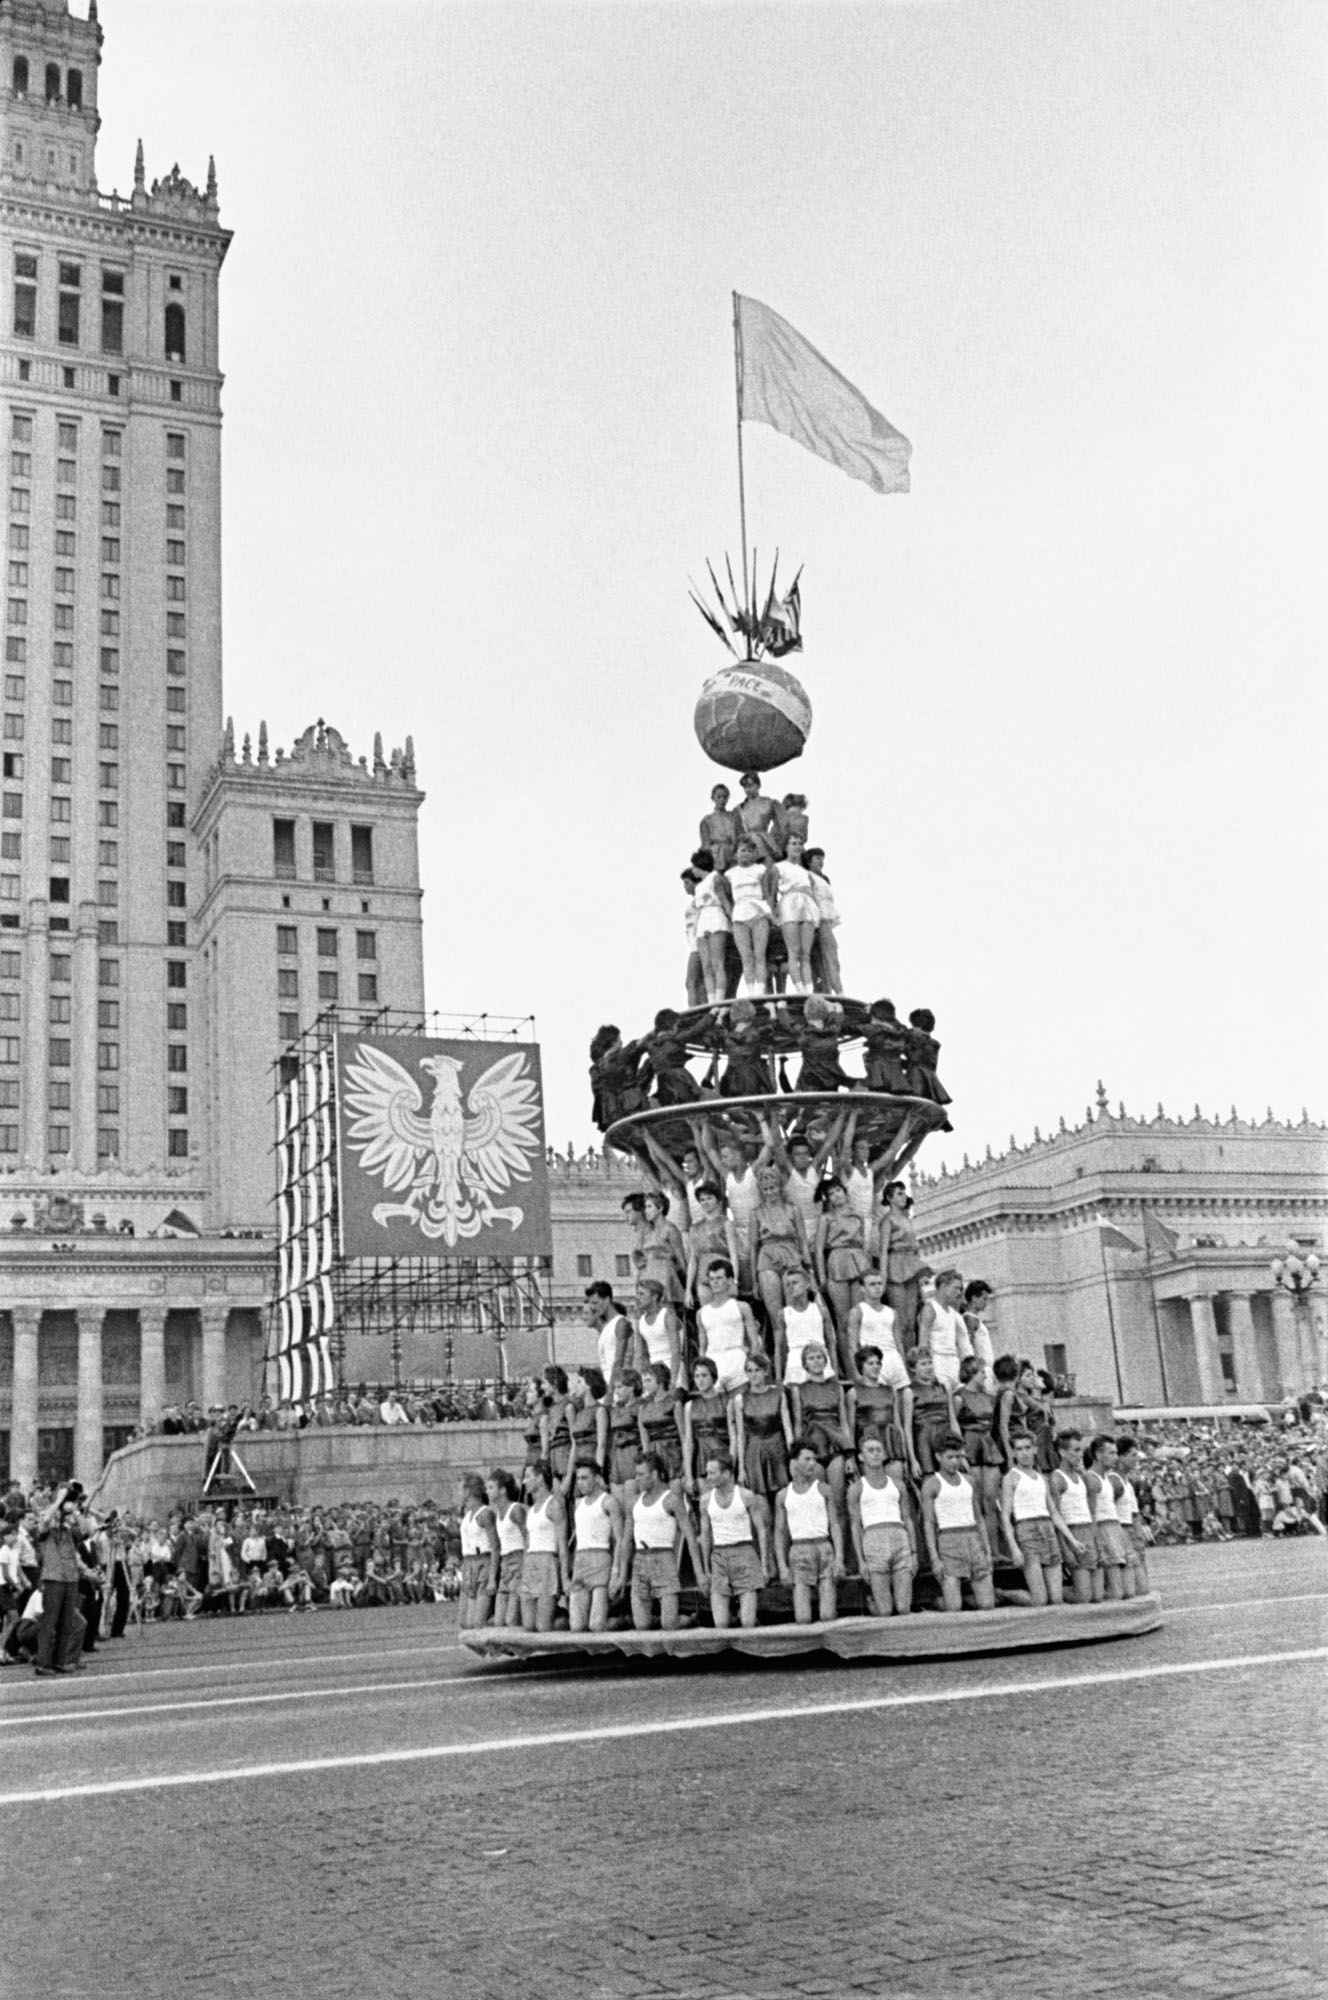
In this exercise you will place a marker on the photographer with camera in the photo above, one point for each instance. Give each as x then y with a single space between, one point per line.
60 1529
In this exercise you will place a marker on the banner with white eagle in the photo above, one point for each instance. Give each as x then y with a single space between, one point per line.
441 1148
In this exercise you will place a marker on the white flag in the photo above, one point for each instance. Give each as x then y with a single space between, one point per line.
784 382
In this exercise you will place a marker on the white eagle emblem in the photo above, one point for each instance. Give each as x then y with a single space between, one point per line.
458 1156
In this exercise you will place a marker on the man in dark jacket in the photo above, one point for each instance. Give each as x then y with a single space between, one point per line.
60 1529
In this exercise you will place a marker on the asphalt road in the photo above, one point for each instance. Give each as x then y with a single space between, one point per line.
350 1805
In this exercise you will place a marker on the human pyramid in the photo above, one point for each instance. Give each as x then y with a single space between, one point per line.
761 921
791 1399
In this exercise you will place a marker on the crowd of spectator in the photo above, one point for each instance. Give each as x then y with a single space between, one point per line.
226 1560
1214 1481
363 1405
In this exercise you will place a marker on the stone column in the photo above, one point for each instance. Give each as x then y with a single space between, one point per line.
214 1316
23 1421
88 1421
151 1364
1287 1335
1203 1322
1249 1376
84 1031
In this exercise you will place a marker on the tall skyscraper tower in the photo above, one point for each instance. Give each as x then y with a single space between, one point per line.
168 912
112 706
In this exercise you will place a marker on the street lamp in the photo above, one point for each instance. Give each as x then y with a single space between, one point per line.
1297 1272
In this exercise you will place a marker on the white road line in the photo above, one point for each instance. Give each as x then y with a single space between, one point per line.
257 1661
66 1712
558 1739
1242 1603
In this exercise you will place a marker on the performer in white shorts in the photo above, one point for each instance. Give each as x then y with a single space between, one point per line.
1035 1531
881 1526
597 1563
805 1324
727 1328
941 1328
735 1541
1127 1509
872 1323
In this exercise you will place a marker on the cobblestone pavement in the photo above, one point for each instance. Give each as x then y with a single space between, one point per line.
1139 1820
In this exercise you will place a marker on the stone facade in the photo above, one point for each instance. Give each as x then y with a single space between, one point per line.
1134 1254
170 912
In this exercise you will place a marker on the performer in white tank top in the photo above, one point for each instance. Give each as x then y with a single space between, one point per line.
809 1541
861 1185
731 1524
957 1543
872 1323
653 1524
656 1335
1031 1523
1029 1498
594 1525
882 1533
801 1189
954 1504
1113 1548
807 1514
541 1532
727 1329
1075 1509
1071 1491
802 1326
881 1505
1104 1501
943 1337
511 1530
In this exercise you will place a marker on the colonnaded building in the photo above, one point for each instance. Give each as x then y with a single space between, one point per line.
1149 1259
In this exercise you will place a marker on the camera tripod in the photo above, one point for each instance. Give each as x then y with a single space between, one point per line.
228 1472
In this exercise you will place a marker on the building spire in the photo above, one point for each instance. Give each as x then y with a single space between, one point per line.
139 169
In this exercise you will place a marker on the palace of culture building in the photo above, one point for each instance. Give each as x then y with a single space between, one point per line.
170 910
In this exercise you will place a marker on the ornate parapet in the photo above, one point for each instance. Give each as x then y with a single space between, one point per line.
320 755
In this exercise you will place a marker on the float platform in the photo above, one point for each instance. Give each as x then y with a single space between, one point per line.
922 1635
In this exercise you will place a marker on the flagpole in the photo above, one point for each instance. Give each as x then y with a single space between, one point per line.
742 491
1152 1299
1111 1321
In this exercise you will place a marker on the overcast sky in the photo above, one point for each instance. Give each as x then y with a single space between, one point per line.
1069 693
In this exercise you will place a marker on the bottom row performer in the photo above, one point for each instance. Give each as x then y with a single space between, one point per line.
521 1556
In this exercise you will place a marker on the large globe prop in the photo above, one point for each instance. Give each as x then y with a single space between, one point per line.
753 716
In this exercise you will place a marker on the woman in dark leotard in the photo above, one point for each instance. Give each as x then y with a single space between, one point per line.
624 1436
659 1417
762 1430
819 1416
707 1426
875 1411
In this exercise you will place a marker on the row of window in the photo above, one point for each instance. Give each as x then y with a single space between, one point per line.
323 853
69 307
72 95
329 986
326 942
